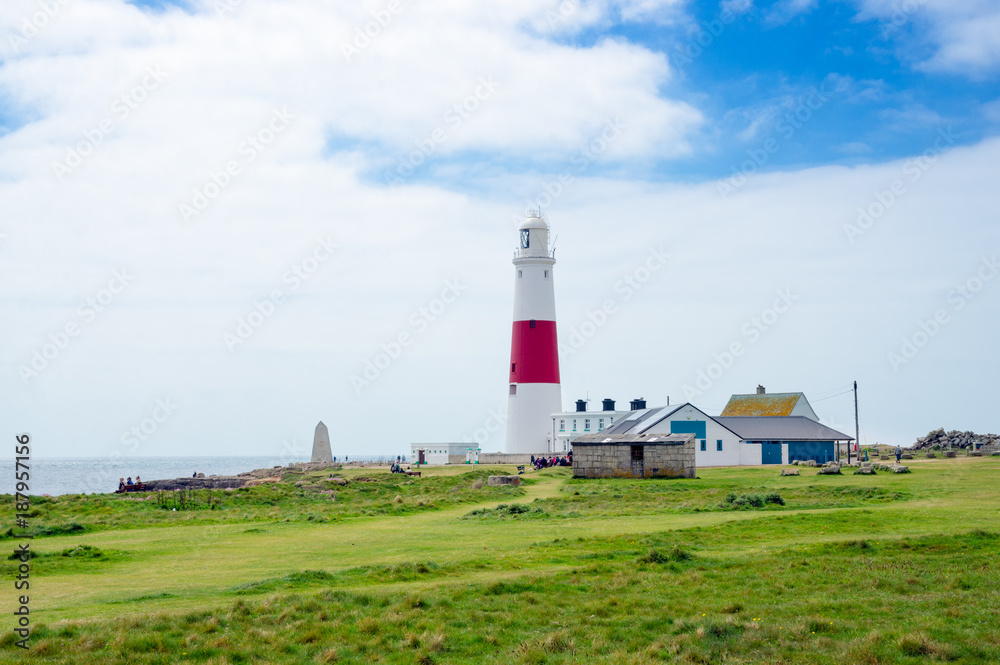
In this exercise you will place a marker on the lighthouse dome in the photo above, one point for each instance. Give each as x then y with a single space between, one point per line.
534 222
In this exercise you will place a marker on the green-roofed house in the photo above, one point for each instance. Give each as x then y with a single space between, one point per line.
774 404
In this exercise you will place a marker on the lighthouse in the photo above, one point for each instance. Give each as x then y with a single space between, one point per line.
534 390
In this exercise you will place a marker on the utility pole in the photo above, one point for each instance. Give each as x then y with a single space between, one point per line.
856 428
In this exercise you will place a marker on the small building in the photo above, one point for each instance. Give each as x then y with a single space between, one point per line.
785 439
634 456
444 453
762 404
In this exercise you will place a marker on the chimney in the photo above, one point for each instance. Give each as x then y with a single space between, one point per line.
608 404
581 406
760 390
637 404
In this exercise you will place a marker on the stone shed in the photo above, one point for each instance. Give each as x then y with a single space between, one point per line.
634 456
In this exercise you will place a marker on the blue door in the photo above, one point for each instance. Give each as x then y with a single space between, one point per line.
770 452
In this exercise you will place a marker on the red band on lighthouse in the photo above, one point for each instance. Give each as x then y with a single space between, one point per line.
534 353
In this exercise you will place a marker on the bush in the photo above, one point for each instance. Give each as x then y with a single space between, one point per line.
656 556
739 501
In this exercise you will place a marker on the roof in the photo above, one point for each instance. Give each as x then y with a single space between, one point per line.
603 438
641 420
774 404
780 428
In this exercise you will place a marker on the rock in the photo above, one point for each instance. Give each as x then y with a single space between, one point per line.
864 471
830 470
496 481
218 482
949 453
906 456
899 468
975 453
789 472
810 462
930 455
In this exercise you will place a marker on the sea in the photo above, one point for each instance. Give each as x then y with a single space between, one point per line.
96 475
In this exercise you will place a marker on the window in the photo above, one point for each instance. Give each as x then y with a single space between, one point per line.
600 424
562 425
513 389
512 366
704 445
531 324
586 424
520 274
546 274
574 424
718 445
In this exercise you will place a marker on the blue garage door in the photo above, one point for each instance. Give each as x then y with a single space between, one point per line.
770 452
820 452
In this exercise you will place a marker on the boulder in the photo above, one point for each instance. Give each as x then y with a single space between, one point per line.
864 471
899 468
930 455
496 481
830 470
906 456
789 472
949 453
810 462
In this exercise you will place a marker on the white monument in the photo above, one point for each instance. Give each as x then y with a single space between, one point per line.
321 445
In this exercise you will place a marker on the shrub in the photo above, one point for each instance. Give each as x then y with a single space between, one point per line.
656 556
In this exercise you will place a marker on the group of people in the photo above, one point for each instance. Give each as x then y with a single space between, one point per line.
128 485
398 468
546 462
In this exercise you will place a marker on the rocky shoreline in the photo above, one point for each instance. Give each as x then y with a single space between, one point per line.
245 479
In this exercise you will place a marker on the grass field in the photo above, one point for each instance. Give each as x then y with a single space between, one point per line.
891 568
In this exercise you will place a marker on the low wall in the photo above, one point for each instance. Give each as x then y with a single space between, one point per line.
505 458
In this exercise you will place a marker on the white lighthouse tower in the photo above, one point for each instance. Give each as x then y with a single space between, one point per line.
535 393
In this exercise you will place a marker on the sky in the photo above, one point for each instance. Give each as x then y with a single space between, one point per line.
226 220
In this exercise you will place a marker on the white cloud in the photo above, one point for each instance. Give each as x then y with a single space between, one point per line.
961 34
224 79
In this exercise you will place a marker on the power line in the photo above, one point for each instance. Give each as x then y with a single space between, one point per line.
850 390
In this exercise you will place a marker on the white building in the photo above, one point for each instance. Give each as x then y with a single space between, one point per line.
568 425
443 453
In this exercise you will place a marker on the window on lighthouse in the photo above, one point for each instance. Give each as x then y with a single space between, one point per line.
513 389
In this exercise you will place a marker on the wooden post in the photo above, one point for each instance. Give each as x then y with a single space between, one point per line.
857 435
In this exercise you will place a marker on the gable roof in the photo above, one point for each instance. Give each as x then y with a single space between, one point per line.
773 404
642 420
780 428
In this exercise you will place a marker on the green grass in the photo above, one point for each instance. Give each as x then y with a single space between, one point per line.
851 569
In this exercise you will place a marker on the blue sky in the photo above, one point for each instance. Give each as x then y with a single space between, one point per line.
208 148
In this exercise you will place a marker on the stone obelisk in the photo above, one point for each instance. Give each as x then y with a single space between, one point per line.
321 445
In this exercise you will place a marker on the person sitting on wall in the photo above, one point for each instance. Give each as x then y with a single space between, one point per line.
121 484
